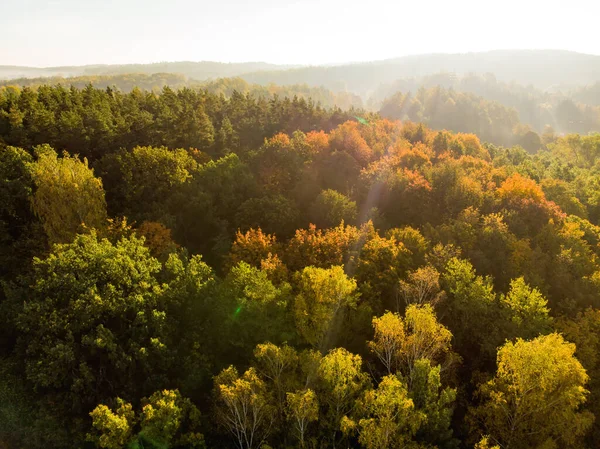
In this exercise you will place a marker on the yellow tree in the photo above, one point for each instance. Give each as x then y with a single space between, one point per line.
324 293
342 381
533 400
426 338
277 364
421 287
400 343
243 407
302 409
388 340
389 416
67 195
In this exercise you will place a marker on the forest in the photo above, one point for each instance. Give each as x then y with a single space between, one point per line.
227 265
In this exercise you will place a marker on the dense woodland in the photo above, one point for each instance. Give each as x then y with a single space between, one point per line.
193 268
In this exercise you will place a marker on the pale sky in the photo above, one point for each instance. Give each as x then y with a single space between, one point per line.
45 33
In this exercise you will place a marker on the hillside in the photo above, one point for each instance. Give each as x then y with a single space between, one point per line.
542 68
199 70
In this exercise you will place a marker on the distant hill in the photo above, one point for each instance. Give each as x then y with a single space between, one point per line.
198 70
542 68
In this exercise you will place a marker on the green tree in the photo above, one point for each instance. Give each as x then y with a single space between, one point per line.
435 402
92 322
21 235
330 208
528 309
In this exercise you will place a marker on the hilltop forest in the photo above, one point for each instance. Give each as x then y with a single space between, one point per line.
216 266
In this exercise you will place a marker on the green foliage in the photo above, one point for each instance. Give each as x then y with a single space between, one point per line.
92 322
21 235
67 195
331 207
473 247
528 309
435 402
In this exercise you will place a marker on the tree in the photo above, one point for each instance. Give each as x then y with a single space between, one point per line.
21 235
330 208
401 343
388 340
67 195
342 381
92 322
166 420
323 296
142 182
114 428
170 420
528 309
533 400
381 263
302 409
426 338
256 311
243 407
421 287
435 402
389 418
471 299
252 247
277 364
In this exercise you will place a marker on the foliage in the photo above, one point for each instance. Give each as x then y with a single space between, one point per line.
539 385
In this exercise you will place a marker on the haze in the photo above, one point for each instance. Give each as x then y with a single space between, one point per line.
72 32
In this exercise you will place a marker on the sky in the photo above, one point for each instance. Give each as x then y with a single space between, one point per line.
43 33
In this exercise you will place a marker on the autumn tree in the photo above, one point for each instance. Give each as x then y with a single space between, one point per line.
422 286
342 381
388 340
426 338
400 343
302 409
533 400
388 418
277 365
243 407
324 295
165 420
67 195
